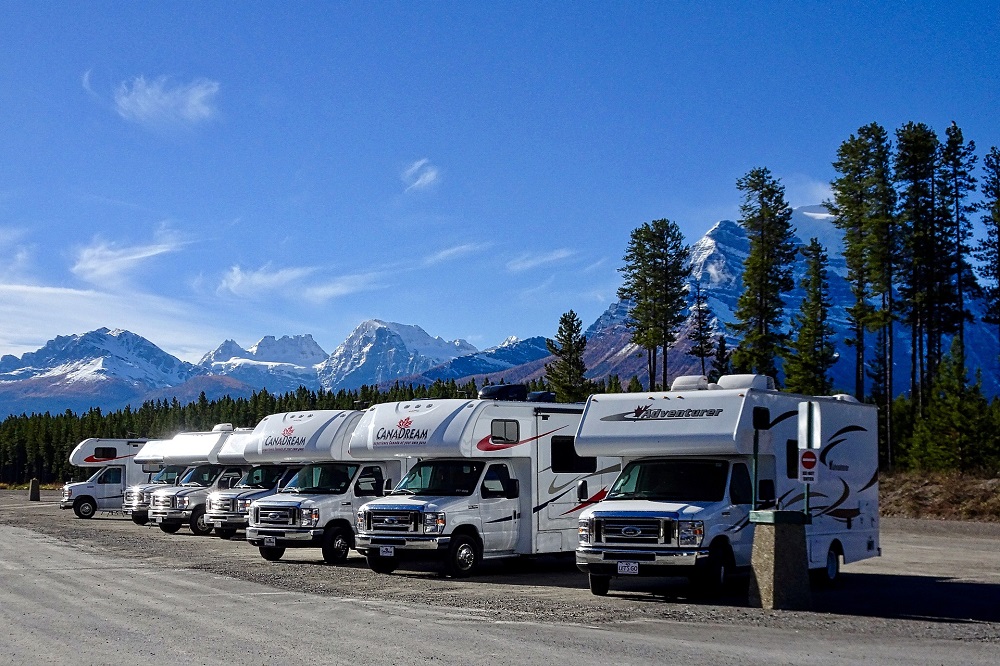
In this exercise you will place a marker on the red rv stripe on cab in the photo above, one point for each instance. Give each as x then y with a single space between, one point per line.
596 498
486 445
95 459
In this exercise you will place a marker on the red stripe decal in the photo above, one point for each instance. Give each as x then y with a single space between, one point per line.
486 445
95 459
596 498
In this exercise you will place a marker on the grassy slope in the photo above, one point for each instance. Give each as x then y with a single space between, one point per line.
941 496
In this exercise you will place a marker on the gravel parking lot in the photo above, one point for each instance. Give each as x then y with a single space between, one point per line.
936 579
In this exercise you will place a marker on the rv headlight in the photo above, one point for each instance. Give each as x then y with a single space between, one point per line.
690 533
583 530
309 517
67 493
183 502
243 505
362 519
434 522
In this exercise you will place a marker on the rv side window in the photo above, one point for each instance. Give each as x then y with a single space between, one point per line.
369 483
565 459
792 459
111 475
505 432
105 453
740 487
496 481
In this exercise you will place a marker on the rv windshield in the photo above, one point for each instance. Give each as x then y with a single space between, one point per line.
327 478
168 475
441 477
93 477
672 481
263 476
202 475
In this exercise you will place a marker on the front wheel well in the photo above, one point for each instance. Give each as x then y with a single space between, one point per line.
469 530
344 524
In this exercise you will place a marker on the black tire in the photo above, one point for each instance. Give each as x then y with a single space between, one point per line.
197 523
464 556
139 519
711 579
225 532
85 508
382 565
337 544
599 585
271 553
829 575
170 528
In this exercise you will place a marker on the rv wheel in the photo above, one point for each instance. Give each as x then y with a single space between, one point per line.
712 578
336 545
139 519
382 565
463 556
271 553
829 575
85 508
600 585
225 532
197 523
170 528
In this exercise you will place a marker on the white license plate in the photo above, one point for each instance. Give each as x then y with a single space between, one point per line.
154 519
269 541
628 568
387 551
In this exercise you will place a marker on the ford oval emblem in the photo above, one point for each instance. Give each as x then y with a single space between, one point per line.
631 531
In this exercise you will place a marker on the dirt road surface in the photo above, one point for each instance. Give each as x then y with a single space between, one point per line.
934 597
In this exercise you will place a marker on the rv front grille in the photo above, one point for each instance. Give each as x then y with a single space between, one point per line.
163 502
394 521
147 497
275 515
221 504
638 531
131 496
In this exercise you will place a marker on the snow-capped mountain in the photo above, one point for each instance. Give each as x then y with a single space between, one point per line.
511 353
377 352
279 365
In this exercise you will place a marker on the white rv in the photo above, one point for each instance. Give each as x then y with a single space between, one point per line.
137 496
105 488
495 479
316 508
682 503
184 504
228 510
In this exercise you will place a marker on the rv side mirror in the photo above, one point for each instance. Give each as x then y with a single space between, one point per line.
387 486
581 491
761 418
765 490
513 489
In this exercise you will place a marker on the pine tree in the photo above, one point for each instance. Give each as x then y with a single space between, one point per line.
634 385
566 374
655 274
720 361
988 250
701 333
812 354
767 273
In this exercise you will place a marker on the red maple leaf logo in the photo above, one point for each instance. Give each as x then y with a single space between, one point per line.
405 423
287 432
639 411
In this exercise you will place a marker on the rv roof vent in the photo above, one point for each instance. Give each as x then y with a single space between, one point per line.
845 397
746 382
690 383
223 427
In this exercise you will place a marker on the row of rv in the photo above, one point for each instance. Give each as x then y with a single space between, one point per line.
637 484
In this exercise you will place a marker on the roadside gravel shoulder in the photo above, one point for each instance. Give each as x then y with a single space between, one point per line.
898 594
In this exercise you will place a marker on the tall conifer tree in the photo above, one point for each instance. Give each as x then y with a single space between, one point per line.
566 374
988 250
767 273
701 332
811 352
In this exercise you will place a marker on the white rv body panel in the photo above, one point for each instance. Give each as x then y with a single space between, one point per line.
683 430
316 508
519 503
105 489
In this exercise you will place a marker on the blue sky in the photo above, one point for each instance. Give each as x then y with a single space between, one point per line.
201 171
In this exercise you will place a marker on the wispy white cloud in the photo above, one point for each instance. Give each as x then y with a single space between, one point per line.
528 261
106 264
162 102
420 175
451 253
265 279
801 190
345 285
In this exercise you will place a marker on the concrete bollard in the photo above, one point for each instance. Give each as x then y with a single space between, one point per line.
34 492
780 563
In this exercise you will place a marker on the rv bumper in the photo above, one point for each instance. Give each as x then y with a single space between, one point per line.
66 504
623 561
158 516
402 544
287 538
224 520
